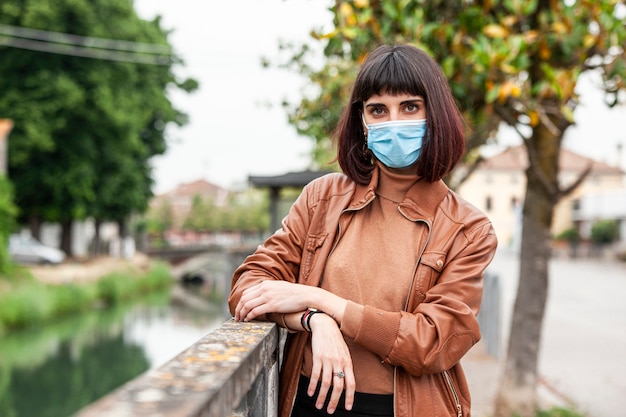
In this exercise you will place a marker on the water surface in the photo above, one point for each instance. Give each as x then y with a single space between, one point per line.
56 369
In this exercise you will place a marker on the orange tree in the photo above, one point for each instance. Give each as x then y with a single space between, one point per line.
512 62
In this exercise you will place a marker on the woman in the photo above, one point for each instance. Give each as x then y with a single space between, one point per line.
377 273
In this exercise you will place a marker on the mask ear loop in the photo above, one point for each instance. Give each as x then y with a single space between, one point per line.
365 129
364 149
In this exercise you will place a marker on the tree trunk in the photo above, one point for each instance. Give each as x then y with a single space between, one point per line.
96 246
34 225
517 392
66 237
121 227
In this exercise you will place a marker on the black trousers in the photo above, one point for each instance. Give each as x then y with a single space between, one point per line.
365 405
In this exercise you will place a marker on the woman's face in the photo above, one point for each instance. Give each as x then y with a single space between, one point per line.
387 107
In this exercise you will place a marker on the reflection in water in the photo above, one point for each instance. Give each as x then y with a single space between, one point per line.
55 370
65 382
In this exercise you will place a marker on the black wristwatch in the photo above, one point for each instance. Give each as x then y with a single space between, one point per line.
305 319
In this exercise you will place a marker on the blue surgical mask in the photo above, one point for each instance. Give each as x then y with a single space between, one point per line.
397 143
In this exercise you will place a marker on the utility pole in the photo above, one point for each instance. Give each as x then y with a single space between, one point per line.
6 125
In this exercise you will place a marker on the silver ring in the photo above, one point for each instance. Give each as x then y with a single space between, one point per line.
339 374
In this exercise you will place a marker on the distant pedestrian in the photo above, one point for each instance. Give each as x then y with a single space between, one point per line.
377 273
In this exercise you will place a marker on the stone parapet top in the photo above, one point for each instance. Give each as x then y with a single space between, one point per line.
210 378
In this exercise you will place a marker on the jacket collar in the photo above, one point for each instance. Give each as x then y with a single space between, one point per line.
420 202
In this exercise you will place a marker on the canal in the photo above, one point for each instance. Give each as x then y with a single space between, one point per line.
56 369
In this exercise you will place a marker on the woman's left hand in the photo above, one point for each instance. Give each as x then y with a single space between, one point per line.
273 297
332 365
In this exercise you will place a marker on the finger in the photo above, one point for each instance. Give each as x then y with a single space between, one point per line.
324 387
255 312
243 308
350 388
247 296
315 376
336 393
250 308
238 309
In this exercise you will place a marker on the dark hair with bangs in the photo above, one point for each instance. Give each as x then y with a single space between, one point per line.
402 69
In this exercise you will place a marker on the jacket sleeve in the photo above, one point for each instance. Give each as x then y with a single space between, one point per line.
278 258
436 334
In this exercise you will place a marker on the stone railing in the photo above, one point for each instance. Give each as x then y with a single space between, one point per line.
232 371
489 318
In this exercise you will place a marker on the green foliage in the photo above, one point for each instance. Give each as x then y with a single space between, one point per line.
69 298
76 377
117 287
247 212
29 302
506 61
244 212
90 356
8 210
114 288
77 327
558 412
8 213
158 277
26 305
570 235
84 129
604 231
203 216
159 219
512 62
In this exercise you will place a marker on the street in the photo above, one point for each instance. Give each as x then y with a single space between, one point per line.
583 353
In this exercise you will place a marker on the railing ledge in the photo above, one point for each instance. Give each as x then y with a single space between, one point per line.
225 373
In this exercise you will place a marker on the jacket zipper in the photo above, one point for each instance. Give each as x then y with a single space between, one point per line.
448 379
406 302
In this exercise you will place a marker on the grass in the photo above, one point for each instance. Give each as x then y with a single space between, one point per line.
116 287
26 302
558 412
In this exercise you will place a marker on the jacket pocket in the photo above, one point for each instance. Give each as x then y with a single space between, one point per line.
428 270
311 245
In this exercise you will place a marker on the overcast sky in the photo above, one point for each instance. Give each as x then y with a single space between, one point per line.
233 132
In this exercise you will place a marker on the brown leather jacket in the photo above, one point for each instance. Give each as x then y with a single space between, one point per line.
426 340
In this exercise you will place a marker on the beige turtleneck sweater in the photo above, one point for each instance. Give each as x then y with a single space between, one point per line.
373 265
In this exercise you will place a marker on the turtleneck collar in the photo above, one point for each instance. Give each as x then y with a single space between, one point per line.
420 200
392 185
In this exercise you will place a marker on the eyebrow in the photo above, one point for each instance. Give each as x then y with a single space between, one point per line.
413 100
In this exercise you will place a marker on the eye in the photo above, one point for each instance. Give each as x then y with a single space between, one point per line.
377 110
411 108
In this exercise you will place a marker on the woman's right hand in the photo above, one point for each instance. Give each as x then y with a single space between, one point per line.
330 357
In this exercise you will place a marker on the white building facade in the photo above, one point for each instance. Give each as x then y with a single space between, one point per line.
498 188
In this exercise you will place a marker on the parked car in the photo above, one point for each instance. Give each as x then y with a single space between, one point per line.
28 250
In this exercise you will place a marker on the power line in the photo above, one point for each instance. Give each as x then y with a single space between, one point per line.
85 41
83 46
84 52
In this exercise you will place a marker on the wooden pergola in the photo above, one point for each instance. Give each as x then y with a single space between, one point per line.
277 183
